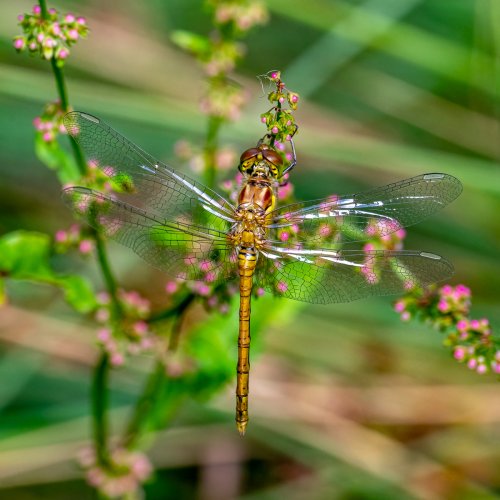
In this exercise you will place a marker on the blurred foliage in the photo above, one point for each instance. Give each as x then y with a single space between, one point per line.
346 401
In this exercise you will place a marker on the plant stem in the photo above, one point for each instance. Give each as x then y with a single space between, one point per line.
99 408
101 371
146 401
149 397
211 142
109 279
43 7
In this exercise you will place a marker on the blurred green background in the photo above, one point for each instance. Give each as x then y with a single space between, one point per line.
346 401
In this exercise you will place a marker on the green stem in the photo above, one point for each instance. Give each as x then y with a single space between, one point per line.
43 7
211 142
99 395
63 97
144 404
109 279
150 395
99 408
173 311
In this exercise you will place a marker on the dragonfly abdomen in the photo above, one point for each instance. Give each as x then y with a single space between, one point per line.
247 260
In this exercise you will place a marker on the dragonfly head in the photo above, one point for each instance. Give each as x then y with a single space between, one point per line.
261 162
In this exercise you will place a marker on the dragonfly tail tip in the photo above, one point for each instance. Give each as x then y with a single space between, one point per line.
242 427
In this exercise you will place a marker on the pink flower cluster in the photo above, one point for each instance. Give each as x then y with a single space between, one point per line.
122 477
52 36
224 102
241 14
383 235
49 123
447 309
133 335
76 237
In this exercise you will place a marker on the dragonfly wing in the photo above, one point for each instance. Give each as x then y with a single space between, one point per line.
183 251
325 276
146 182
382 211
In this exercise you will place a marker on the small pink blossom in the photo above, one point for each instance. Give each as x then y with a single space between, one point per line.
399 306
171 287
86 246
282 287
104 334
61 236
73 34
140 328
117 359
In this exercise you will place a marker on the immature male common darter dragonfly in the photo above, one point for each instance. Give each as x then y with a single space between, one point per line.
179 225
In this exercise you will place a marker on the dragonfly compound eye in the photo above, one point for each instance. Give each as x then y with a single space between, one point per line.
248 159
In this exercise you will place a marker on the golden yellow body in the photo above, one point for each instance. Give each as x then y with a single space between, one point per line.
256 200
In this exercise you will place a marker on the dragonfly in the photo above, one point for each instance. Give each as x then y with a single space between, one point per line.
304 251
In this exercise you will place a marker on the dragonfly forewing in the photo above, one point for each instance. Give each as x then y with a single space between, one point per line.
149 183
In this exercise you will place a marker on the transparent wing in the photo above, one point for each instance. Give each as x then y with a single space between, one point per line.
382 211
146 182
324 276
182 250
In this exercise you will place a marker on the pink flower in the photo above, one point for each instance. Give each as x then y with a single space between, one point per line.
37 10
117 359
73 34
275 130
61 236
171 287
284 236
205 265
472 363
19 43
140 327
48 136
459 353
474 324
102 315
210 277
69 18
443 306
104 334
63 54
260 292
405 316
481 368
86 246
462 325
399 306
282 287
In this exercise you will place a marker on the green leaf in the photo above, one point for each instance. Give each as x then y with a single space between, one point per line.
25 255
54 157
78 293
3 296
191 42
